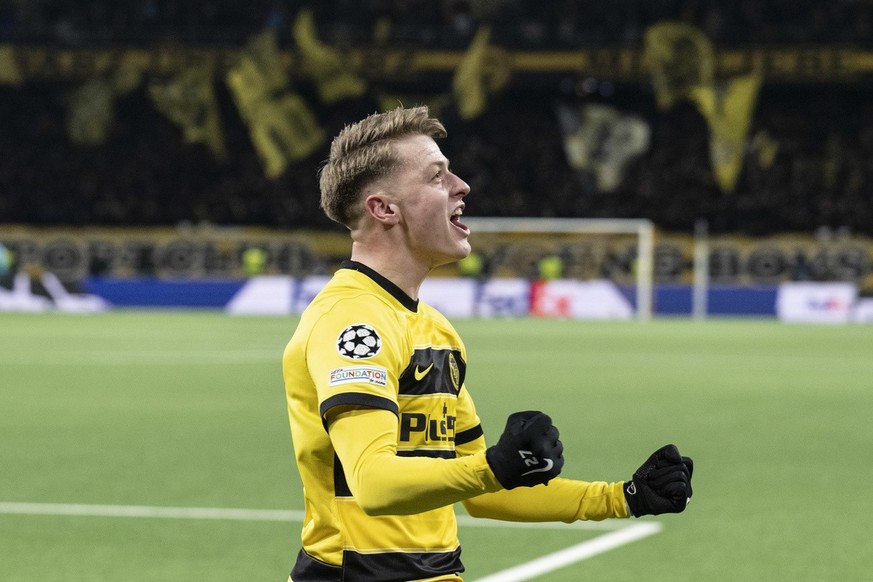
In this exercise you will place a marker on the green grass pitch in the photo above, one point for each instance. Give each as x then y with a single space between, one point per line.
187 410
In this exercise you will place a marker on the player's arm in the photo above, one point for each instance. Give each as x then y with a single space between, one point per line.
382 483
661 485
564 500
365 440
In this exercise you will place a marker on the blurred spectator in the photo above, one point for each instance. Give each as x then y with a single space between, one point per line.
254 259
7 267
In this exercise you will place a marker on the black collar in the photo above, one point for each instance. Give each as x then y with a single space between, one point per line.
395 291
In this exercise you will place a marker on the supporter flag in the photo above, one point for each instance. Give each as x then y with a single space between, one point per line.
327 66
728 106
765 148
282 127
10 74
188 100
483 71
680 58
682 63
128 74
90 112
602 140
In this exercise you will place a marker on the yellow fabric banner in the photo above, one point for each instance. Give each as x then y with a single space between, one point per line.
484 71
188 100
10 74
327 66
682 62
90 112
728 106
282 127
602 140
680 58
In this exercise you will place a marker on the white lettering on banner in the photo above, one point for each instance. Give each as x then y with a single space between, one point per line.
504 298
565 298
358 374
571 299
816 302
451 297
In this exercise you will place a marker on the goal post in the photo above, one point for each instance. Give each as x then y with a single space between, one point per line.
642 229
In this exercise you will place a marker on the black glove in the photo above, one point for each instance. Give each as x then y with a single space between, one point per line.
528 452
661 485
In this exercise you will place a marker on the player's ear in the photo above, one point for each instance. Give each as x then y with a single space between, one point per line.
381 207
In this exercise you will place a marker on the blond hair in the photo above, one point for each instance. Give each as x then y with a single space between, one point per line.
364 152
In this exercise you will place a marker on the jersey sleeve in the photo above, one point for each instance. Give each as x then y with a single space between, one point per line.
384 483
562 499
354 356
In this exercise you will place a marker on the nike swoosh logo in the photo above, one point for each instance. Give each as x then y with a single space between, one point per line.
549 464
419 374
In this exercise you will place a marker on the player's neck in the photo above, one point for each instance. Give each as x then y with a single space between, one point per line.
398 267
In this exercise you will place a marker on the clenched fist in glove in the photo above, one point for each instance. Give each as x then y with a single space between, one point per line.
528 452
661 485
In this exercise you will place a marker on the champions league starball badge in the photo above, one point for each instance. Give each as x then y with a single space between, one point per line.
358 341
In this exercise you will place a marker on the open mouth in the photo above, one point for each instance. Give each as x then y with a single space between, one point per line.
455 219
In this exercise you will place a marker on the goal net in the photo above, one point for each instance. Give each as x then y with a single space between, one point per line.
619 251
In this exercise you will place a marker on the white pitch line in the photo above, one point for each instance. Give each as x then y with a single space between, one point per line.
149 511
239 514
573 554
127 357
543 565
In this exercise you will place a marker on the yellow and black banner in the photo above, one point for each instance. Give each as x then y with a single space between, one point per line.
188 100
806 63
214 252
602 140
483 71
282 127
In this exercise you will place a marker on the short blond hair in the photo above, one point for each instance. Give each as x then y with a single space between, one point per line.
364 152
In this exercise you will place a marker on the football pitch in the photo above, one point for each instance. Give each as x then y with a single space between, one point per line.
152 446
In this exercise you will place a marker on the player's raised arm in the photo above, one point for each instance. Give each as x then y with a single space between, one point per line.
661 485
383 483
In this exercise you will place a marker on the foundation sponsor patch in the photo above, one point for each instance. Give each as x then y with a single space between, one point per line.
359 375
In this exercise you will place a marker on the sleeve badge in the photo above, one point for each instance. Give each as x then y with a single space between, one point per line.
358 341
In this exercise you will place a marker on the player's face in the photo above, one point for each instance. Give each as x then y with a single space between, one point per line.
431 200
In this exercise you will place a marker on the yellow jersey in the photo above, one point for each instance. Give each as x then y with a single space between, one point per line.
376 378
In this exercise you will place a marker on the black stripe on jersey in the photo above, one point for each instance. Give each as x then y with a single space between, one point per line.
357 399
309 569
431 453
469 435
340 484
395 291
400 566
433 371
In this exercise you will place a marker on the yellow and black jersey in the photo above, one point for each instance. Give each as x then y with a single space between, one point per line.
363 343
387 438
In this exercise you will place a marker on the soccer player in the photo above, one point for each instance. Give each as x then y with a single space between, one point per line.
385 432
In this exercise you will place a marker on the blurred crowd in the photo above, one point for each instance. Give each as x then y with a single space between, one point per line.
817 172
809 163
437 22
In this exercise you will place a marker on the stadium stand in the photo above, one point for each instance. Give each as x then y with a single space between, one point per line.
807 167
